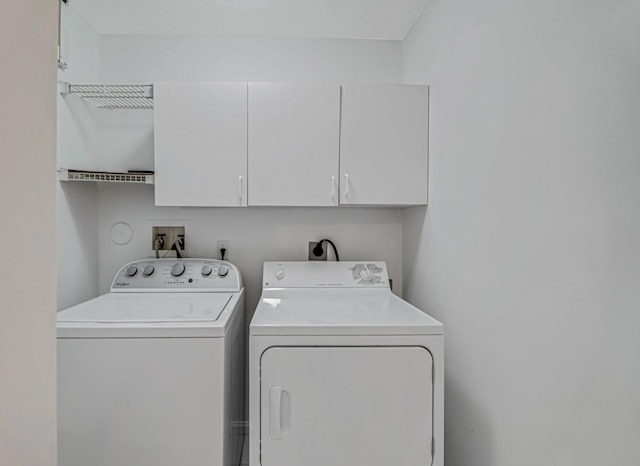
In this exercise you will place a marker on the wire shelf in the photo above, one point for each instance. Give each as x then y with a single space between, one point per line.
108 177
112 95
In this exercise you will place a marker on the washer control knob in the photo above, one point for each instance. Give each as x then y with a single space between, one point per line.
131 271
280 274
177 269
148 270
366 275
206 270
223 271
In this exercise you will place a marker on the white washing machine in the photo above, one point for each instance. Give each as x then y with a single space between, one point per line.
342 371
152 373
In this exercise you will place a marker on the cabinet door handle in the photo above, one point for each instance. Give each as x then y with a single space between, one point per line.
240 187
333 187
346 185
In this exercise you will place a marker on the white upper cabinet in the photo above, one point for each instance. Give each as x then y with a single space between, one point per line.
384 144
200 138
294 135
281 144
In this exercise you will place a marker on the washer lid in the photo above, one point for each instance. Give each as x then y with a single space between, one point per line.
140 308
376 312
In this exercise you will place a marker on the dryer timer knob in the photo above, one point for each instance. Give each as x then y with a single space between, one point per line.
223 271
280 274
366 275
177 269
131 271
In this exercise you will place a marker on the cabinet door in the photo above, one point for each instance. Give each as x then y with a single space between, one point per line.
346 406
384 144
200 137
293 144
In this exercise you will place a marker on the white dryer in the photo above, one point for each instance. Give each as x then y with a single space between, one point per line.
152 373
342 371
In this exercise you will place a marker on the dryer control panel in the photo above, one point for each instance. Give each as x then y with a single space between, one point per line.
197 275
316 274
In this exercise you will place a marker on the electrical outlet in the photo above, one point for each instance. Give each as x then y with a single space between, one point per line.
312 253
168 236
223 244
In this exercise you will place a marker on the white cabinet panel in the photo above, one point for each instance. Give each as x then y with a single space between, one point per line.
384 144
200 139
294 132
345 406
161 409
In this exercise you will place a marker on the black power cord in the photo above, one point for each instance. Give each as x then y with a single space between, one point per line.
318 249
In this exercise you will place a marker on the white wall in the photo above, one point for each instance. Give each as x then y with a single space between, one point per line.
256 234
144 59
79 143
28 33
529 250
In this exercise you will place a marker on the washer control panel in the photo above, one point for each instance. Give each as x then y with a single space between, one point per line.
318 274
198 275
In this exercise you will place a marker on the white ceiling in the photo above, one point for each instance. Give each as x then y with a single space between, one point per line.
347 19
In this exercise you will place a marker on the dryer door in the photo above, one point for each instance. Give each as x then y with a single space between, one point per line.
345 406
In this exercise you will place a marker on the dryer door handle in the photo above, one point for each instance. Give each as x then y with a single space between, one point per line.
279 412
275 404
